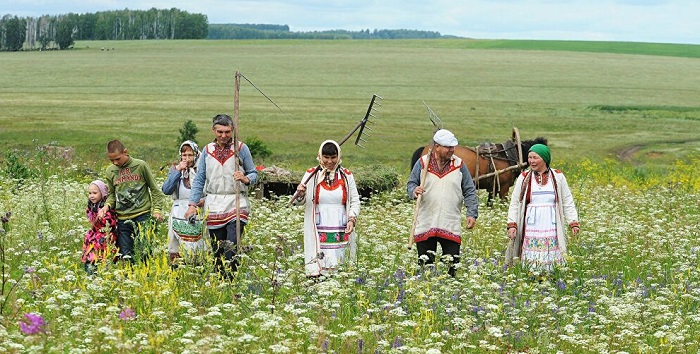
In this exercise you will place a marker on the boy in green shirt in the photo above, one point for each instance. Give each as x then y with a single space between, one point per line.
132 194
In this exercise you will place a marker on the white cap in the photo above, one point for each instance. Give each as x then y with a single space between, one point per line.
445 137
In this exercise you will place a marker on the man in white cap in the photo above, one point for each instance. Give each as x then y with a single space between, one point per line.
447 186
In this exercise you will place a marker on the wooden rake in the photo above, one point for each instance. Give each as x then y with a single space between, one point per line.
361 126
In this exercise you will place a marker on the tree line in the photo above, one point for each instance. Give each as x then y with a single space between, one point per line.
60 31
258 31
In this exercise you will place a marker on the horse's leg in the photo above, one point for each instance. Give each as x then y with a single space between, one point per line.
503 193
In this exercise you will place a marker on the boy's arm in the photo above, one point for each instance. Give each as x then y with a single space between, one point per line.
157 196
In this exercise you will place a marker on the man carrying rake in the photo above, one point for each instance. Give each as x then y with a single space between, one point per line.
446 186
224 182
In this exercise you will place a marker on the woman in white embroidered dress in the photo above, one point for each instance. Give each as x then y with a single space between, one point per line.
332 205
540 204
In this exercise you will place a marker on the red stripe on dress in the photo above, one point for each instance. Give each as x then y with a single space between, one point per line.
437 232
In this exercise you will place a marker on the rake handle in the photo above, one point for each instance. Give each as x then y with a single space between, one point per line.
423 172
304 182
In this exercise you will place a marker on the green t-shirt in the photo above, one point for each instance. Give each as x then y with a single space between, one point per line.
133 190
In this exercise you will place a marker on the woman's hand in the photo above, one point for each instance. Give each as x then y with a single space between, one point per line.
181 166
301 192
350 225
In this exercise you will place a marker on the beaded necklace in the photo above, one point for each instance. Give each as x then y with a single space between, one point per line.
541 178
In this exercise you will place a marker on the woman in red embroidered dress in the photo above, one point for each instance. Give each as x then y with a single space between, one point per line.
332 205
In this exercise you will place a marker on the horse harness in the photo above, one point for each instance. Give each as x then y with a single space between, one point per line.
507 151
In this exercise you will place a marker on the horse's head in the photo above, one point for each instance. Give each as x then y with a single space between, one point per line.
527 144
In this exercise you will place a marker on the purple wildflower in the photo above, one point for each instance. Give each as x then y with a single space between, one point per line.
401 296
32 324
360 345
399 275
127 314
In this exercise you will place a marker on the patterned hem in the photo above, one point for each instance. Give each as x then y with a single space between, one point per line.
224 218
334 246
436 232
542 261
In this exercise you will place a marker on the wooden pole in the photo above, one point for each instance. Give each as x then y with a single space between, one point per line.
517 166
237 85
423 172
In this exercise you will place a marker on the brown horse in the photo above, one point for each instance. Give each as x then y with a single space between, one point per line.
489 160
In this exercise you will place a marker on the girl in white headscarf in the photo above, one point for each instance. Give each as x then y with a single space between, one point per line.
182 232
332 206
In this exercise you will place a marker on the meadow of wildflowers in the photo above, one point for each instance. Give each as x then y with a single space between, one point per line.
631 284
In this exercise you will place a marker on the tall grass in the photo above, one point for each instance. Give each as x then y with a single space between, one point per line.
631 284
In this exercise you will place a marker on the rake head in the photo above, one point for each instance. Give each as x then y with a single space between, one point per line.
437 122
371 109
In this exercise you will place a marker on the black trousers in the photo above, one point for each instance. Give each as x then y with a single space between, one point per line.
225 247
448 248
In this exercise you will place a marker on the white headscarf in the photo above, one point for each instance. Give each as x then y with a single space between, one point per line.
195 150
318 157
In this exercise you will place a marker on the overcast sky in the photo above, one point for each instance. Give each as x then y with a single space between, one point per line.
664 21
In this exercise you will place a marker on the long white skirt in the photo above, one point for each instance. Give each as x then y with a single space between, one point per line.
327 248
540 244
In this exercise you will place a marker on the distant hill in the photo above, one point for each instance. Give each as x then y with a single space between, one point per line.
266 31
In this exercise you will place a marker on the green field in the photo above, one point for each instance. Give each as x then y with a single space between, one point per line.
622 120
143 91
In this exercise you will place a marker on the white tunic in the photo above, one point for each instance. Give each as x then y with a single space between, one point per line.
328 208
440 208
220 190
